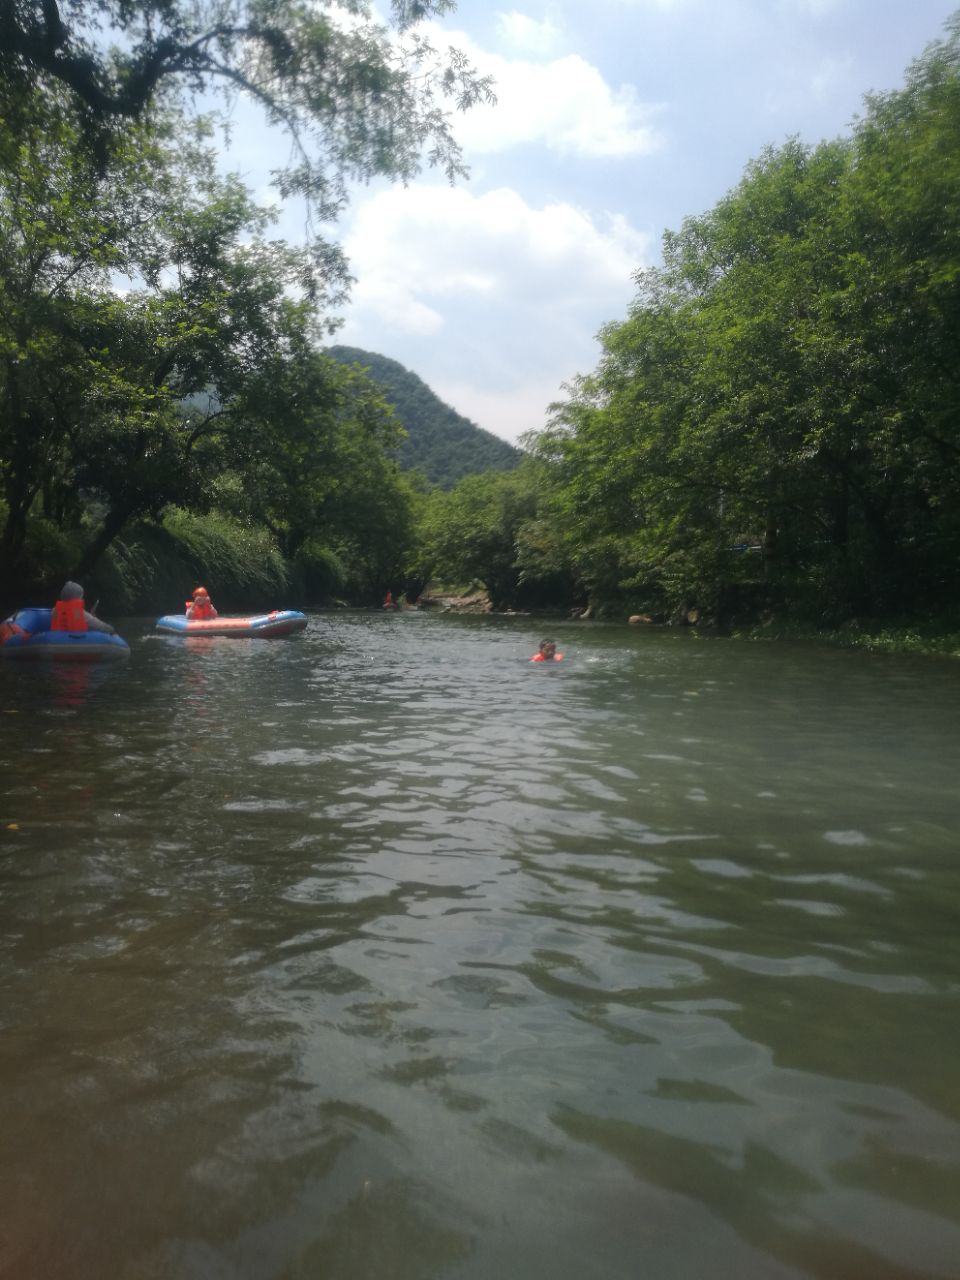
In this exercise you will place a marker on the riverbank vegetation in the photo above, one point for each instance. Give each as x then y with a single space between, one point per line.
769 440
160 353
771 435
773 428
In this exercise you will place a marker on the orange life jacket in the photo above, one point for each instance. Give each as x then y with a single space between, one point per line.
68 615
200 610
8 630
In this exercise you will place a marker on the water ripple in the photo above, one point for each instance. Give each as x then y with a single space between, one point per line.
380 952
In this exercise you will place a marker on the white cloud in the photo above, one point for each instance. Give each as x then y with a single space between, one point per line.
407 245
563 104
525 35
492 302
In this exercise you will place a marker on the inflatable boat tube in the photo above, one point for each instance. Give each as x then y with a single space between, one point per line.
27 635
265 626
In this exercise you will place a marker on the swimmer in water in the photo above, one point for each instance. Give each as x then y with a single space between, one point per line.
547 652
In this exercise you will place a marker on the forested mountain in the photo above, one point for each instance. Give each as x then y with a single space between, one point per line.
440 442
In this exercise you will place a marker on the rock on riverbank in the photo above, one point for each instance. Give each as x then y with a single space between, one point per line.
474 602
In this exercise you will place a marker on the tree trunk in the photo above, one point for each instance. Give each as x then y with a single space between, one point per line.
840 531
19 501
115 521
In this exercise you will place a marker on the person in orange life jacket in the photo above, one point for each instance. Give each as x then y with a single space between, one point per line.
547 652
200 608
68 613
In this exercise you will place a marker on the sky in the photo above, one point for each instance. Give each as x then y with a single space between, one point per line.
615 120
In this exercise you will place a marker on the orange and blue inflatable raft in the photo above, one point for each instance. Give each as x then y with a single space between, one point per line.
266 626
29 633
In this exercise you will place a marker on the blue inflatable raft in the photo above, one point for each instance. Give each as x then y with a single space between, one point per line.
27 635
266 626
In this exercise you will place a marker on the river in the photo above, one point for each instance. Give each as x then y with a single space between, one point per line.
380 953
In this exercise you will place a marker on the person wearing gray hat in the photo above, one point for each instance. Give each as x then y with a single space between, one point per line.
69 613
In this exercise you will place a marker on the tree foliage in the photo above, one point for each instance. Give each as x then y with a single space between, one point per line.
485 531
358 98
156 346
775 421
199 380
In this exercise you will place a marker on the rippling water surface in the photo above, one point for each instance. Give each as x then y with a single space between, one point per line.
378 952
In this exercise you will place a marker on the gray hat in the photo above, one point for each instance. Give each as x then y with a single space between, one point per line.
71 591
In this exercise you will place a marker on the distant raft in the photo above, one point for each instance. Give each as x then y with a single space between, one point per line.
264 626
27 634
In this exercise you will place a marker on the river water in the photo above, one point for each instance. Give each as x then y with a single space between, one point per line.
379 952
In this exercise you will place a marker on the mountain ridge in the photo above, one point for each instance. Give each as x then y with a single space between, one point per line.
441 443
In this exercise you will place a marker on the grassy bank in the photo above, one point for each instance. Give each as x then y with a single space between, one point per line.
154 567
930 637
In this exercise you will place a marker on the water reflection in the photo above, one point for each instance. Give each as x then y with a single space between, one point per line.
51 687
376 953
73 682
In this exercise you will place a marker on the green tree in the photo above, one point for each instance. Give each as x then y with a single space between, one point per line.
485 530
63 231
902 306
113 404
116 404
787 379
316 468
358 98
